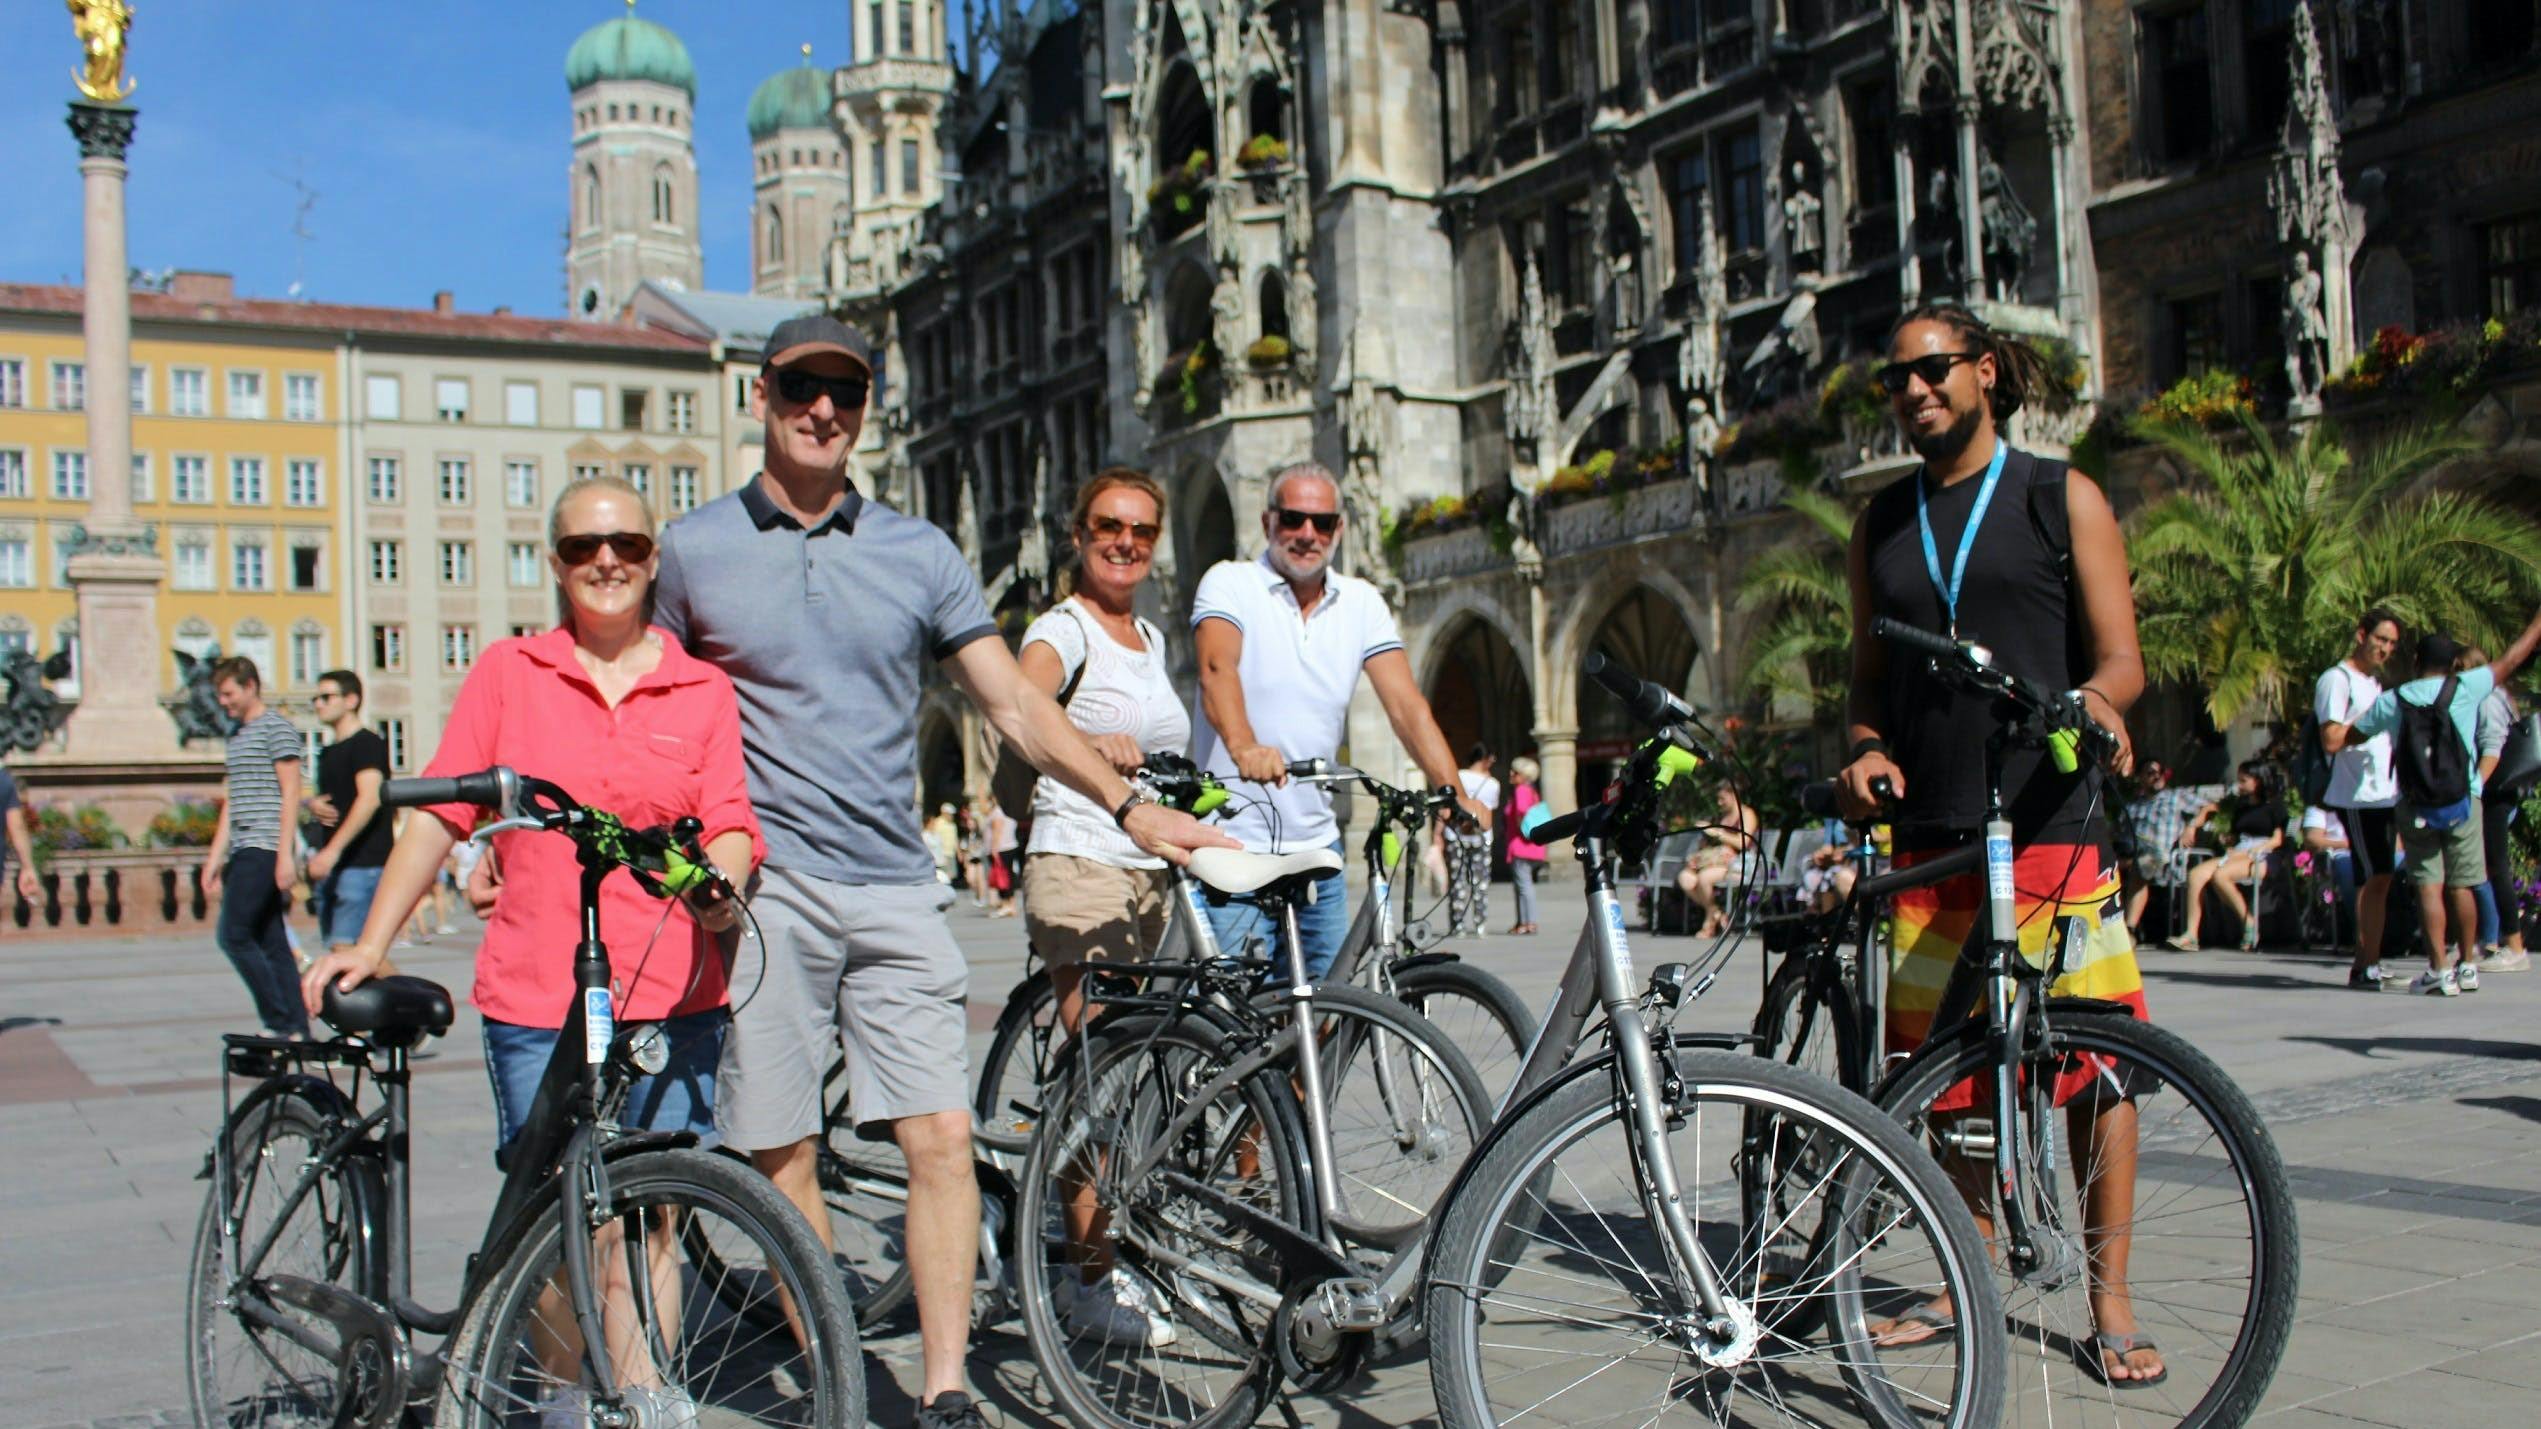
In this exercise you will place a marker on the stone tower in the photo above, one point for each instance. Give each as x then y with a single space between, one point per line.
890 97
801 189
634 178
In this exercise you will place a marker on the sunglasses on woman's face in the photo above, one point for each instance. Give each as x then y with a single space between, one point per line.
632 547
847 394
1325 522
1109 528
1932 367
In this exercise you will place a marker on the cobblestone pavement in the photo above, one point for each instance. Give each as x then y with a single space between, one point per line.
2412 1128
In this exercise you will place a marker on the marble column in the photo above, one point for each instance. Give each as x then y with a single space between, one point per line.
114 568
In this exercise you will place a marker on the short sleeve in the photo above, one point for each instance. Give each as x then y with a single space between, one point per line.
281 740
1064 634
958 614
670 589
2334 697
1220 596
373 755
2382 715
1377 631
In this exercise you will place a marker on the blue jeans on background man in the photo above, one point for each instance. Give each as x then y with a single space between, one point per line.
344 903
1321 925
251 932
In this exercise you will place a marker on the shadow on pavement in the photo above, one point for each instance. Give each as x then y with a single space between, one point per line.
2378 1048
2271 981
2529 1108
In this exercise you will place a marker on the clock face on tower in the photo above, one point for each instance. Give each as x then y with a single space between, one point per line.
590 301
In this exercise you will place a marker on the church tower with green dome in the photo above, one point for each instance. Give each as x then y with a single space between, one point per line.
634 178
802 193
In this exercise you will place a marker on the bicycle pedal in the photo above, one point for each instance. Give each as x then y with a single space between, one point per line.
1350 1303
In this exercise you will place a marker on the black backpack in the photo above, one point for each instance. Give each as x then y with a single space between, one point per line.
2312 762
2432 761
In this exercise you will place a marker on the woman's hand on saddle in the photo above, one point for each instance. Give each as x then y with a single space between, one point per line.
349 968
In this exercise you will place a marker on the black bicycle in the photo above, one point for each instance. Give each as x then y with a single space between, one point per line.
2177 1205
624 1276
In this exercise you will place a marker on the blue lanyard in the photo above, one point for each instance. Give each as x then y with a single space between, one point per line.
1967 538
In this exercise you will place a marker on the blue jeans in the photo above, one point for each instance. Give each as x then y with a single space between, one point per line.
680 1097
1321 925
251 932
344 902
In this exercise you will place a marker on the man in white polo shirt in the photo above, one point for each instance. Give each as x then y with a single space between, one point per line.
1282 640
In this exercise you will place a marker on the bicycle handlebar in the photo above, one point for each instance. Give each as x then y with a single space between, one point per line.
1900 633
1650 703
2065 727
666 861
485 788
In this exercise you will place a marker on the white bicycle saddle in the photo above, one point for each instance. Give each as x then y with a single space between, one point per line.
1230 870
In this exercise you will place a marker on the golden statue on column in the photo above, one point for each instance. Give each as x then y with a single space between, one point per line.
100 25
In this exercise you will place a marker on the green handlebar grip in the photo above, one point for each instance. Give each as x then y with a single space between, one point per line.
1392 845
1212 798
2065 747
679 875
1674 761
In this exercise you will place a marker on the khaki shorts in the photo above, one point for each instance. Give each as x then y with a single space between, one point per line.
869 966
1078 910
2453 857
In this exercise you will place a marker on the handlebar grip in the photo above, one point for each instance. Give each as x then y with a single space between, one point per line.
485 788
1912 637
1818 799
1650 703
1536 828
1309 768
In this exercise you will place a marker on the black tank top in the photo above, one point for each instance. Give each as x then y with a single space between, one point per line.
2016 602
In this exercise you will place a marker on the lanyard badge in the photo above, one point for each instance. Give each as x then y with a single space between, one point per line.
1949 592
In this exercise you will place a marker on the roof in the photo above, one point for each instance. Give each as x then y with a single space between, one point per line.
361 321
797 98
738 320
629 48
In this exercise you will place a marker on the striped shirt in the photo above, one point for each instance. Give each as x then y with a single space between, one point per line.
255 790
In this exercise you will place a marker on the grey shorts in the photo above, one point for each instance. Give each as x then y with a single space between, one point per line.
869 966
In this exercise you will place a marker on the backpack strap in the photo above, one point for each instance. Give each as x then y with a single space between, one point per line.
2048 514
1085 638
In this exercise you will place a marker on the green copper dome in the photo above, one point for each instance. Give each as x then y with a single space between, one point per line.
797 98
629 48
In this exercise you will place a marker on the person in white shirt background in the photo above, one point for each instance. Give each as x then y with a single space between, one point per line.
2362 791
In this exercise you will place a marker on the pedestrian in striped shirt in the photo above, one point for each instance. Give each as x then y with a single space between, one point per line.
250 865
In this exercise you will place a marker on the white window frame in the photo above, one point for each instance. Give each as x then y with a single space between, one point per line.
457 562
390 491
247 467
12 382
305 671
520 404
293 470
66 385
383 397
388 645
202 576
189 391
246 389
458 646
443 389
590 408
145 485
685 489
682 409
444 469
140 388
520 483
305 541
200 467
388 562
13 478
68 470
17 560
295 385
520 565
241 543
393 732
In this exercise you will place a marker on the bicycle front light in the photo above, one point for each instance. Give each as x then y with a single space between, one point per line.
646 1049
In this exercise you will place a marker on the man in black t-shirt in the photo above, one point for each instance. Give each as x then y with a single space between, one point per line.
350 771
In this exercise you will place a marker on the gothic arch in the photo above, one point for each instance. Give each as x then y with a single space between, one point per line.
1270 293
1187 316
590 197
1478 686
1182 118
1589 609
1206 511
774 254
1468 605
665 196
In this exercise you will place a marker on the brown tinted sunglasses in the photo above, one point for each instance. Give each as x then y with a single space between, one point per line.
632 547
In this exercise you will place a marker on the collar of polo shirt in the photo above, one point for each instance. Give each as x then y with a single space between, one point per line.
765 515
1273 580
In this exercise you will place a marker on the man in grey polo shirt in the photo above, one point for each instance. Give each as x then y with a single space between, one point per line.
824 609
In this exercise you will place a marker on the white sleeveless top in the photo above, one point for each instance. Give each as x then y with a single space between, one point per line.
1124 691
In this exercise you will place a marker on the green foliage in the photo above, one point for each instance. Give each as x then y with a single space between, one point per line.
2249 580
1197 372
1268 350
1851 395
1262 151
2070 365
186 825
1798 591
2445 364
2212 399
57 829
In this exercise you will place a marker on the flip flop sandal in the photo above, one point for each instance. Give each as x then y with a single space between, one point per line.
2086 1353
1940 1322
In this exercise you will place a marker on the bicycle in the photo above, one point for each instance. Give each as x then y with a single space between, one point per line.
1527 1256
299 1304
2224 1326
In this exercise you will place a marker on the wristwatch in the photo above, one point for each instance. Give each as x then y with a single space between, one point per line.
1137 796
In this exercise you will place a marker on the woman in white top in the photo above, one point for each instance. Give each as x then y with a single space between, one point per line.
1089 892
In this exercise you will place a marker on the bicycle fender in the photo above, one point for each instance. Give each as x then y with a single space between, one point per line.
1595 1064
329 1099
2089 1007
1426 960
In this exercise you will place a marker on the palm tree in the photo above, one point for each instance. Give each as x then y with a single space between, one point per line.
2249 581
1805 646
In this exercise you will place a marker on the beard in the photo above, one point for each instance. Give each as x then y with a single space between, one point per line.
1951 440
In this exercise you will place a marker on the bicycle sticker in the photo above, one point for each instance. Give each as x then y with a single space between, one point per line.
1623 948
597 1025
1998 866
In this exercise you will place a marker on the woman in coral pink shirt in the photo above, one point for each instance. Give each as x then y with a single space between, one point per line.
612 710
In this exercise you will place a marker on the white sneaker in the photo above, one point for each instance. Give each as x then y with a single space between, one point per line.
2506 960
1114 1309
2466 975
2434 984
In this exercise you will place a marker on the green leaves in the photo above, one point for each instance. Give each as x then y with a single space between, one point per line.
1802 651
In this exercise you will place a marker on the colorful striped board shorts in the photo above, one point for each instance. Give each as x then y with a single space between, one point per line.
2067 899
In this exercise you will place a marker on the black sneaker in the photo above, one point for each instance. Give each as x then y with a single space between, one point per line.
2372 979
951 1410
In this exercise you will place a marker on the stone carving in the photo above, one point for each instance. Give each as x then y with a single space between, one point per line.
834 265
1530 405
1699 362
1363 360
80 541
2009 230
195 708
1223 242
1781 364
2015 55
1303 319
1032 553
1226 315
2306 331
2314 220
1363 366
1803 221
1297 216
32 714
1924 52
966 522
101 25
103 132
1702 438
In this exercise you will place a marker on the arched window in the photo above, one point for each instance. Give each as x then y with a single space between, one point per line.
1274 305
665 197
590 197
1263 110
776 238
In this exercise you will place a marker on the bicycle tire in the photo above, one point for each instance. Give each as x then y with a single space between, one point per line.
270 1139
1478 1011
1009 1098
815 1384
2158 1060
1123 1082
1488 1239
1806 1022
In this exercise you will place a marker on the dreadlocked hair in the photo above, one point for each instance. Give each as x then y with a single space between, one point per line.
2022 374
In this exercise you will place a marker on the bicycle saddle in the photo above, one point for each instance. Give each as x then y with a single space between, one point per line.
1230 870
396 1010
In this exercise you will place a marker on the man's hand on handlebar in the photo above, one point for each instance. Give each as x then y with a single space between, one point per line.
1466 816
1855 796
1260 763
1121 750
1170 834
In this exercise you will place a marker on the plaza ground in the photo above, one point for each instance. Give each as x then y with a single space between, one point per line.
2411 1128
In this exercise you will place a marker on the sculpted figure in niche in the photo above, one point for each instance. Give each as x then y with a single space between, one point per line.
1803 218
2306 334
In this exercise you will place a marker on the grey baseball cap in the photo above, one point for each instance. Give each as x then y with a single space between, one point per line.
801 337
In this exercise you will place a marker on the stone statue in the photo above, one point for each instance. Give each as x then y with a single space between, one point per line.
1303 320
195 708
33 713
1298 213
1223 244
1702 438
2009 231
1803 219
834 264
100 25
2306 331
1226 315
1532 414
966 523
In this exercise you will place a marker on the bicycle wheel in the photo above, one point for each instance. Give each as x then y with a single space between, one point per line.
1404 1107
240 1373
1011 1078
1809 1020
2161 1144
1182 1242
1806 1023
1551 1297
1481 1014
681 1353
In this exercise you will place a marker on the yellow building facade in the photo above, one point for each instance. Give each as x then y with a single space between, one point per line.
238 450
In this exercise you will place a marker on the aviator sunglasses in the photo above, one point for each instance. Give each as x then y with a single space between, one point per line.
1106 528
1325 522
633 547
1932 367
799 387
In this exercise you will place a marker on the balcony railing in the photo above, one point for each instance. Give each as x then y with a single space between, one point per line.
115 891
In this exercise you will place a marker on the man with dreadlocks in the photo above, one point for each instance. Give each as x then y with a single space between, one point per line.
2019 554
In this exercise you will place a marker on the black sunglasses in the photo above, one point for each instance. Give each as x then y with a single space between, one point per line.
1932 367
1106 528
799 387
1325 522
633 547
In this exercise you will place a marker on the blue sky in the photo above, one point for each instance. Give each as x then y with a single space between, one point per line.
435 132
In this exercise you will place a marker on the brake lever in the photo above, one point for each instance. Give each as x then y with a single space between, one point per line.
482 837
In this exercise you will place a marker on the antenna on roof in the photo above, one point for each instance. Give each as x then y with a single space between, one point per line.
301 233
